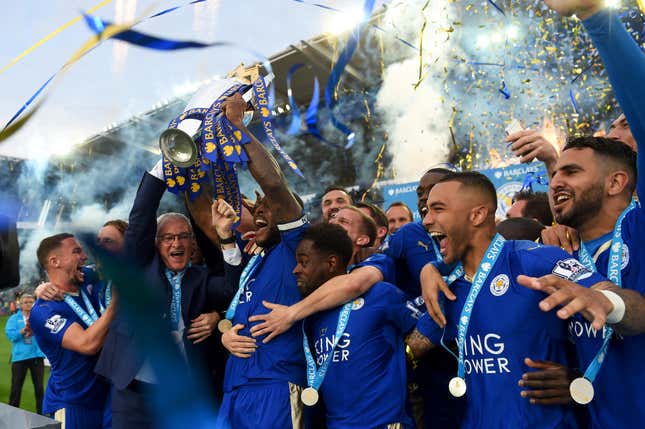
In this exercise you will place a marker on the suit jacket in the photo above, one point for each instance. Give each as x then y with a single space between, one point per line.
122 357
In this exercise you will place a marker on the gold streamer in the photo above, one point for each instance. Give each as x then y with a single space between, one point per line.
379 172
423 28
52 35
93 41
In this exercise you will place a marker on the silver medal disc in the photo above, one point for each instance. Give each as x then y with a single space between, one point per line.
581 390
309 396
457 387
224 325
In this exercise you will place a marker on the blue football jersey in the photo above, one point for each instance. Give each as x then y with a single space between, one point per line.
618 400
72 380
380 261
411 248
282 359
365 385
507 326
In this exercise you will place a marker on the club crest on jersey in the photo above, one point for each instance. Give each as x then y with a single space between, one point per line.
55 323
571 269
499 285
358 304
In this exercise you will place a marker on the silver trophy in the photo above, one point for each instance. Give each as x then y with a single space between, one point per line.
178 144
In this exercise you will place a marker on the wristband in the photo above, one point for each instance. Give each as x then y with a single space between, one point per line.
616 315
229 240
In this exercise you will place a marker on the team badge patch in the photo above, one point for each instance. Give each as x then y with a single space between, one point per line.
571 269
499 285
358 304
55 323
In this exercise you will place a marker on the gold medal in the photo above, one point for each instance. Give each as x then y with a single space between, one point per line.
224 325
457 387
581 390
309 396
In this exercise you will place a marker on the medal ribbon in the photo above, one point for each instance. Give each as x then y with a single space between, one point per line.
248 272
485 267
316 377
613 273
107 293
88 319
175 303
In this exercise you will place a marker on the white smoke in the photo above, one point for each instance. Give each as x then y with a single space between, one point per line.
417 118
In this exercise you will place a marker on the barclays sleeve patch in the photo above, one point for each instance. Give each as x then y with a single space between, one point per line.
55 323
571 269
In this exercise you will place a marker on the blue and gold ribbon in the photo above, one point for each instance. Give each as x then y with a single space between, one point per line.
295 126
504 90
262 99
311 115
530 179
339 68
104 30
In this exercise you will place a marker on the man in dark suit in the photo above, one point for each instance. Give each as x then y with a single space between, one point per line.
162 249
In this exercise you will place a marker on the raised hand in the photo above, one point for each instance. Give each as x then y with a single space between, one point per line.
591 303
223 217
531 144
581 8
234 108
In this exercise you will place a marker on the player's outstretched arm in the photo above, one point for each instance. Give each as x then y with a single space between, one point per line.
90 341
622 57
419 344
264 167
604 302
336 291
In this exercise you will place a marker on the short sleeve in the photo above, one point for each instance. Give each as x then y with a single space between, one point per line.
49 324
395 308
291 233
429 329
538 260
394 246
381 262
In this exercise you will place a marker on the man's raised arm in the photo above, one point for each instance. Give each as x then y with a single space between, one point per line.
331 294
264 167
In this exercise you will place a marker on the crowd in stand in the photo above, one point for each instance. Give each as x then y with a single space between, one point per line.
366 319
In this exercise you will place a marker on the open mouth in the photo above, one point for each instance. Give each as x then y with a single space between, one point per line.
177 254
79 273
561 198
260 223
423 211
441 240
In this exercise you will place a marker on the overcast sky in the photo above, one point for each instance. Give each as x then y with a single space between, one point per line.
116 81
